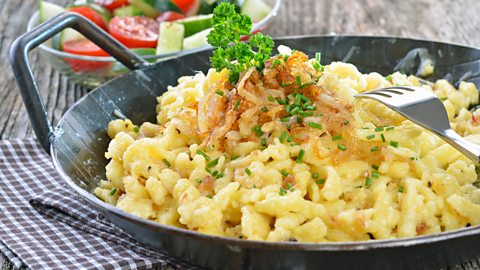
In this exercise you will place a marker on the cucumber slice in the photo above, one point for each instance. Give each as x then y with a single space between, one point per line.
170 38
49 10
196 24
65 36
152 8
256 9
197 40
125 11
145 7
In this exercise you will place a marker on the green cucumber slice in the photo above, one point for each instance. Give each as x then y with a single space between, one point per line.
126 11
170 38
152 8
145 7
49 10
197 40
65 36
256 9
196 24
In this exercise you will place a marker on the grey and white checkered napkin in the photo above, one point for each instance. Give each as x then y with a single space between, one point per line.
43 225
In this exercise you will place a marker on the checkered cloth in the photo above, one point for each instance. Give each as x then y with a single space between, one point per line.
43 225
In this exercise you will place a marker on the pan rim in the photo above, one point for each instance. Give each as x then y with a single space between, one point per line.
241 243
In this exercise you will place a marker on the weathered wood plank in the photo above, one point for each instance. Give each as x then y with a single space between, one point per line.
444 20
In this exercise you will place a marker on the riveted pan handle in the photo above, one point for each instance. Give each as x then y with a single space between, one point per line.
21 68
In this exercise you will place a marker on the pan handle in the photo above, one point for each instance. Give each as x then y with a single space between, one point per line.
23 74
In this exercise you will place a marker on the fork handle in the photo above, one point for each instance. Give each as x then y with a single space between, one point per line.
469 149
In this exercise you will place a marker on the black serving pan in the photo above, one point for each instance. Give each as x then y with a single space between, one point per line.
78 143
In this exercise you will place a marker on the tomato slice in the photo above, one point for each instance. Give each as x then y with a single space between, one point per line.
90 14
169 16
112 4
184 5
135 31
84 47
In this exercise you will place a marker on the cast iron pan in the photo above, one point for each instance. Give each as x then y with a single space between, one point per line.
78 143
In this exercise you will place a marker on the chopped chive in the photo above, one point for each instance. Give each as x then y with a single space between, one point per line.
299 120
375 175
235 157
264 109
237 104
315 175
294 110
209 196
371 136
315 125
248 172
304 98
281 101
198 180
113 191
212 163
400 189
346 122
306 114
285 119
220 175
289 186
263 141
341 147
320 181
368 182
394 144
414 158
207 158
219 92
389 128
257 130
136 129
383 137
365 128
166 162
293 144
288 108
307 103
254 186
285 58
375 148
215 173
299 81
336 137
282 192
378 129
444 98
290 138
316 66
388 77
285 84
275 62
311 108
208 170
284 173
318 57
298 99
270 98
375 167
301 153
283 136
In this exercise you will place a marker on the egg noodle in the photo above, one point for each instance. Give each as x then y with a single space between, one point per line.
288 154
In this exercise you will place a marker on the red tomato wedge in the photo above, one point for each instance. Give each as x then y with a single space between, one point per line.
90 14
185 5
169 16
112 4
84 47
135 31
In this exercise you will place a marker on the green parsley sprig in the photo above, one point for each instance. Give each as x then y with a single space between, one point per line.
231 53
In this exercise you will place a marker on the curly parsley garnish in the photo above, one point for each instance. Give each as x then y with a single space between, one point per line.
231 53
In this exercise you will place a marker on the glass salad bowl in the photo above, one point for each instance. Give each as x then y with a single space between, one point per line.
92 71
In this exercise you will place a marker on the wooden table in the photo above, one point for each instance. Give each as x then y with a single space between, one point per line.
443 20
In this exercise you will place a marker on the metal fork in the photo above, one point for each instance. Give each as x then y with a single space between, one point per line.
425 109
